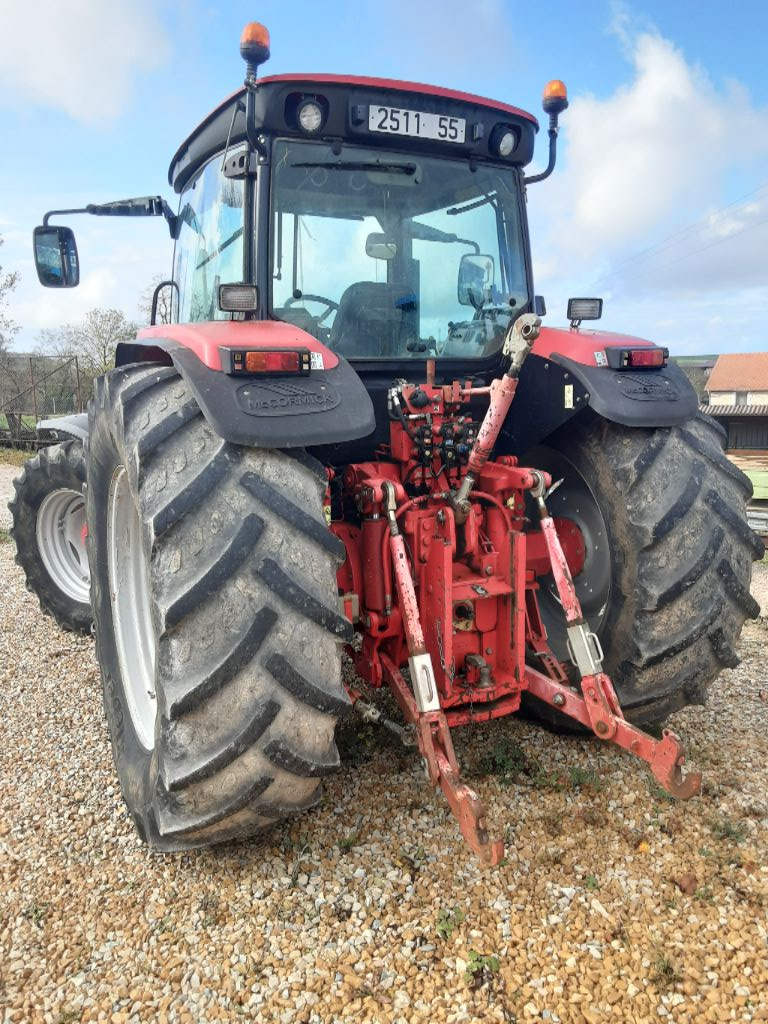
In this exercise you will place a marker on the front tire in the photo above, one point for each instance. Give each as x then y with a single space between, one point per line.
666 579
214 596
48 510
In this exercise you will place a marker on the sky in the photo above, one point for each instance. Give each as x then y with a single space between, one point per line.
659 202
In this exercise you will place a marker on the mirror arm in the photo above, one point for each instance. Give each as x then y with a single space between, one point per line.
58 213
468 241
158 208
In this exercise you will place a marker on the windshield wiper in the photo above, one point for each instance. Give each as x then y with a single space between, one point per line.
454 210
361 165
426 233
216 252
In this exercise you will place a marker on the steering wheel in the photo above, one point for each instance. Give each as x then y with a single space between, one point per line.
304 297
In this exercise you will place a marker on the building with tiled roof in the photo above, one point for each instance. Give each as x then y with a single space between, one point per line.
737 397
739 378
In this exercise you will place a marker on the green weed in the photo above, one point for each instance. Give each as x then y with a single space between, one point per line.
724 828
586 777
481 968
664 972
543 779
348 841
35 913
504 760
448 921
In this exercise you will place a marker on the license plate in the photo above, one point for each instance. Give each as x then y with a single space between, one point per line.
417 123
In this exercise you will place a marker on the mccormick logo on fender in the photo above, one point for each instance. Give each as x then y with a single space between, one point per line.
280 398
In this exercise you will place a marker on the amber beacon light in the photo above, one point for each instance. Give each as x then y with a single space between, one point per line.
254 44
554 101
555 98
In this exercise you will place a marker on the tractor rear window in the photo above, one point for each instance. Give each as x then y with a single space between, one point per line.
381 254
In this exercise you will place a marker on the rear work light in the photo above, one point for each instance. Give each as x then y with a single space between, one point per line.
278 361
503 140
643 358
310 116
238 298
584 309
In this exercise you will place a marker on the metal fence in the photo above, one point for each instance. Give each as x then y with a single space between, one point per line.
33 388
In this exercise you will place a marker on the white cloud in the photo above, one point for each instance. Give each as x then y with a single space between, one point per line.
654 155
80 56
639 209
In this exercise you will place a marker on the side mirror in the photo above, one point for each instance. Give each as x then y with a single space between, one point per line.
56 259
378 248
476 277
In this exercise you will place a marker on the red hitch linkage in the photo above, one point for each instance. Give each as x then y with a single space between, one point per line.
422 706
597 707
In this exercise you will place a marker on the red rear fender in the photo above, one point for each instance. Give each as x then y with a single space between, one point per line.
326 405
581 346
206 339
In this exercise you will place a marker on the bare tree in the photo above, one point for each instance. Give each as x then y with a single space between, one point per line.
164 302
93 341
8 281
9 383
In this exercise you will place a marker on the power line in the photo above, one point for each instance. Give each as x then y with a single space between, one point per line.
703 248
670 241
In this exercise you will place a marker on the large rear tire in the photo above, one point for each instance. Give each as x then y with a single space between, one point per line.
665 584
217 630
48 511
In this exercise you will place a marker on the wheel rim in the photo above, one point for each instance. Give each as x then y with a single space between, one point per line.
574 500
131 607
60 530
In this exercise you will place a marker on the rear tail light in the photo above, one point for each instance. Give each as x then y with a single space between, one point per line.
271 361
644 358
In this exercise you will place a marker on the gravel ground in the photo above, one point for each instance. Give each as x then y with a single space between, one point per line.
7 475
614 903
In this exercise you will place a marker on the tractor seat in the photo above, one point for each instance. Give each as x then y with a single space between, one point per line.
299 317
374 319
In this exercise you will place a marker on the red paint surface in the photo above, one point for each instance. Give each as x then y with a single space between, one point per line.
665 757
502 394
206 338
560 572
581 345
571 541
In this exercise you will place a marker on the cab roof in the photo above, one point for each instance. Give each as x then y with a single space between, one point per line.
211 134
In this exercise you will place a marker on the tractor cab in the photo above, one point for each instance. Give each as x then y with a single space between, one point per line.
386 218
428 255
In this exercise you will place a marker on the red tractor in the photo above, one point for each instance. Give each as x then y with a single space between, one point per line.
357 434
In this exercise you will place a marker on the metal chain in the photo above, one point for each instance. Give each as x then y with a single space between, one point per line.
450 671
